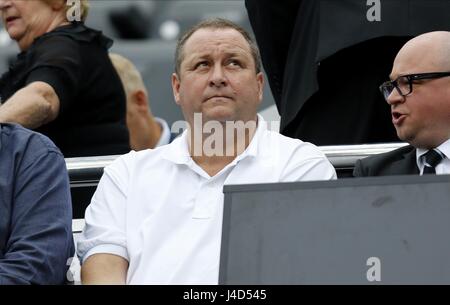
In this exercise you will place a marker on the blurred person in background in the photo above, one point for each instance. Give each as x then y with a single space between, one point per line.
145 130
63 83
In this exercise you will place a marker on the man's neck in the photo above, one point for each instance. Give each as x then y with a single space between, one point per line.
213 155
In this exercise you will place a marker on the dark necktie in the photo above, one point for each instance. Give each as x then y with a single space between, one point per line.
432 158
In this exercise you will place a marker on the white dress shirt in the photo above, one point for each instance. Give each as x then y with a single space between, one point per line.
163 213
443 168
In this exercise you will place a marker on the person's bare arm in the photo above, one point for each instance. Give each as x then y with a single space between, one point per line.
104 269
31 106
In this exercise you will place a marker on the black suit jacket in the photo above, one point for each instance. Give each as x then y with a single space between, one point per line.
325 60
401 161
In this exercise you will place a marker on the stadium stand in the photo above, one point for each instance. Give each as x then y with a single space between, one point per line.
108 16
168 23
151 48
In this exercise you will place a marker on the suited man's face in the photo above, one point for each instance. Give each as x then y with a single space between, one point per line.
422 118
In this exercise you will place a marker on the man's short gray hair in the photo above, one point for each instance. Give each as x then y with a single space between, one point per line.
216 23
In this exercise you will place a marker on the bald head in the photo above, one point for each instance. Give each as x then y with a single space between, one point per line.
131 78
429 52
422 117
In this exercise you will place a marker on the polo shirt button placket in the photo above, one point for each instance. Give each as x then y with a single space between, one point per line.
203 206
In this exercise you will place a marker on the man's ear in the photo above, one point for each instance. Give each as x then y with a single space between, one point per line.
140 101
260 81
176 88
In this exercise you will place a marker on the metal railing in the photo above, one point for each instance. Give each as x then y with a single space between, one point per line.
344 156
341 156
85 173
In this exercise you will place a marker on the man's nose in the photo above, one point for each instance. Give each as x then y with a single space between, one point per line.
218 77
395 97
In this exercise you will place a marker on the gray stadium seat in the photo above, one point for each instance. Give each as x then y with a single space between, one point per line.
187 13
100 13
8 53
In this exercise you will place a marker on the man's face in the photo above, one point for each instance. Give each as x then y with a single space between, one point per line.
423 117
217 77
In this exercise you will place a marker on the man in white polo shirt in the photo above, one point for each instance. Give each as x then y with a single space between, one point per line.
156 217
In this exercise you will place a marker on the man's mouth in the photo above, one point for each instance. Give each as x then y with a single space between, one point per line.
397 117
218 97
10 19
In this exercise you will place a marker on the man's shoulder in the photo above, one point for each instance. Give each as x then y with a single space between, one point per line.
19 137
293 159
389 156
289 145
149 157
378 164
23 147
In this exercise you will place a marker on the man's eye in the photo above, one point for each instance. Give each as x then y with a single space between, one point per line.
234 63
201 64
416 81
402 81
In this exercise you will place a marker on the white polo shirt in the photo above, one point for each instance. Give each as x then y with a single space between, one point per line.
163 213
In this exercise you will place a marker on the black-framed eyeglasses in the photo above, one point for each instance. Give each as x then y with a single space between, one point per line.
404 83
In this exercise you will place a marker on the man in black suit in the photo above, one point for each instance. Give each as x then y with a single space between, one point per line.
419 97
325 59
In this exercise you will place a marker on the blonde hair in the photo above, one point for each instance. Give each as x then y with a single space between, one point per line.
84 6
128 73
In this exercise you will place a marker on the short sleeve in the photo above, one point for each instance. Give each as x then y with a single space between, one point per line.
56 60
308 163
105 229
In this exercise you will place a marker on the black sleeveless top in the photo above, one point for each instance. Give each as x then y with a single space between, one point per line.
74 61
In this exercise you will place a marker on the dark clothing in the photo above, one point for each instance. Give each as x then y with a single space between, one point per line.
35 209
401 161
74 60
325 61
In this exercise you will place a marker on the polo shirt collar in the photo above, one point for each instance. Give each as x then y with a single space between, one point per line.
178 150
